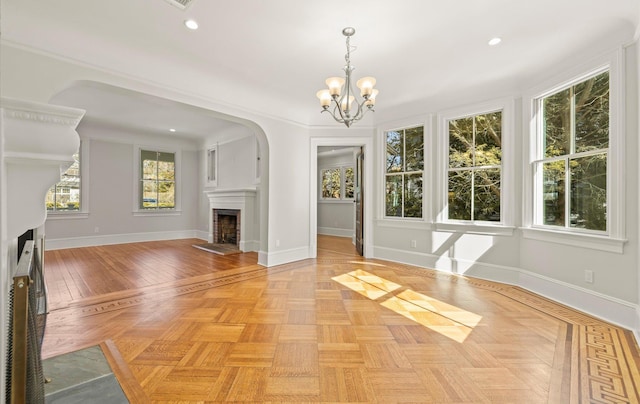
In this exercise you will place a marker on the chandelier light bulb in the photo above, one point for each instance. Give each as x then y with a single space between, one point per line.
371 101
325 98
335 85
340 93
365 85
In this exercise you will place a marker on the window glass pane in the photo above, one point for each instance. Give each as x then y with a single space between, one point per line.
488 140
393 196
394 152
460 195
557 124
486 195
166 194
149 169
331 183
65 195
348 183
461 143
413 195
592 114
589 192
554 192
414 149
166 171
149 194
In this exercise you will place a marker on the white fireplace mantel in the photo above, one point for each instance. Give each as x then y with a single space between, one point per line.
243 199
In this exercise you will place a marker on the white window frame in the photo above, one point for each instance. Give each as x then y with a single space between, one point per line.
613 239
426 126
83 213
342 168
506 225
137 149
212 165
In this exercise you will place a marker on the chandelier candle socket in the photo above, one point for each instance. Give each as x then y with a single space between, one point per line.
340 92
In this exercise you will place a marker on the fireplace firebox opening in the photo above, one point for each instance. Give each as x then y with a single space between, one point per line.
226 226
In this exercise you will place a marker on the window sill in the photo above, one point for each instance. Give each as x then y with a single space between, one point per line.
404 223
350 201
168 212
474 228
590 241
67 215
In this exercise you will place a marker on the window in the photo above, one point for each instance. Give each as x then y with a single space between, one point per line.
573 155
65 195
337 183
475 168
157 180
212 166
403 172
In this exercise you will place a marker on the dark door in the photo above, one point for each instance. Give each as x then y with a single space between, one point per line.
359 195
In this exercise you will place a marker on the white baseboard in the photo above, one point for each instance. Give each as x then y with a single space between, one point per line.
283 257
335 231
107 239
249 245
613 310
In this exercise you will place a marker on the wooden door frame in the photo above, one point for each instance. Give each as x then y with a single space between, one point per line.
367 179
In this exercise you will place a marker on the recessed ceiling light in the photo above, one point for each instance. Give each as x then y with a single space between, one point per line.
495 41
172 130
191 24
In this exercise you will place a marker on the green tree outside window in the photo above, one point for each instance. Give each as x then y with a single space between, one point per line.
404 172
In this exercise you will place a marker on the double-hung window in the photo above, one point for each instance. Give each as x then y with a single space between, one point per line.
404 172
65 195
337 183
572 156
157 188
69 198
474 173
575 176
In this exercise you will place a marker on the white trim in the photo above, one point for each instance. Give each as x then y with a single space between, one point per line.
334 231
66 215
507 169
273 258
137 211
476 228
590 241
406 223
368 184
616 176
108 239
427 167
617 311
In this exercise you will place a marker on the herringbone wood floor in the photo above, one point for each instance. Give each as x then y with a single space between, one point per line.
180 324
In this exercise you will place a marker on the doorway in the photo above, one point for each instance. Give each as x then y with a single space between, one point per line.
364 146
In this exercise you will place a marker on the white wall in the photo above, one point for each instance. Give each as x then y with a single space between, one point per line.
237 154
554 270
111 197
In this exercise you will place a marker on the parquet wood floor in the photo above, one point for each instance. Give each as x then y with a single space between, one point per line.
185 326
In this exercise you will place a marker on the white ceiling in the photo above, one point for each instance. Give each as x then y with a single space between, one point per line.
272 56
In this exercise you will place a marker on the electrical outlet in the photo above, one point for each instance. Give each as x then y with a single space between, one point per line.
413 243
588 276
96 229
277 243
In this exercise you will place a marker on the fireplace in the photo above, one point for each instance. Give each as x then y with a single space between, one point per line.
226 226
241 204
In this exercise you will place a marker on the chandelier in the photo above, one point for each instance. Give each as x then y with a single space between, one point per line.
340 93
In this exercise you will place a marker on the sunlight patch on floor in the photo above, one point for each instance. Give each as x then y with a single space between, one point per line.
443 318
